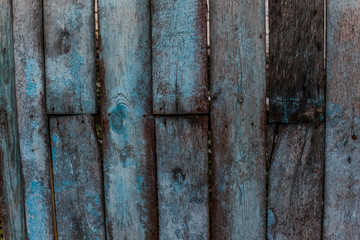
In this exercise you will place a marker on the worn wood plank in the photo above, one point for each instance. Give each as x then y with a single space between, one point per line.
69 33
182 169
296 85
12 216
237 71
179 59
296 174
128 125
342 178
77 178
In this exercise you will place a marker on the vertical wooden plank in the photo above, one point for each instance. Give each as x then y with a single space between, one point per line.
70 57
296 174
179 59
128 125
182 164
342 178
296 86
77 178
12 216
237 71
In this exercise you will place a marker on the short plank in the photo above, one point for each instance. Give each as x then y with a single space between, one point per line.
11 184
237 71
128 125
296 174
179 59
69 33
296 85
342 177
77 178
182 169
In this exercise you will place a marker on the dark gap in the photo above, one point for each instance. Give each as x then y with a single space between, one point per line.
268 156
1 229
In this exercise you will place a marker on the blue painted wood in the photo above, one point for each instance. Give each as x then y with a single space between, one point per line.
237 71
179 60
342 178
11 185
69 33
182 169
128 126
77 178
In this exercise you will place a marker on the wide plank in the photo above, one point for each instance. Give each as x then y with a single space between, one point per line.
182 170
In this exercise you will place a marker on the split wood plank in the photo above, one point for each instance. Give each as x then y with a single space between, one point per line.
342 178
70 57
179 58
238 125
77 178
128 125
11 184
296 85
182 165
296 175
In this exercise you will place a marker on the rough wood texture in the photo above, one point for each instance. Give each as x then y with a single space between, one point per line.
238 118
11 185
77 178
296 176
179 57
342 178
296 84
182 160
128 126
69 32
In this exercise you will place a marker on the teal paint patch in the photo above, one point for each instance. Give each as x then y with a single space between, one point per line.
33 75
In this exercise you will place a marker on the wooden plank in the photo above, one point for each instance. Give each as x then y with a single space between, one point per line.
296 174
182 165
12 217
179 59
70 57
296 86
342 178
128 125
237 71
77 178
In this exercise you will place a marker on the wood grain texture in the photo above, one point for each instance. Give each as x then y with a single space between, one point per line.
179 60
182 165
237 71
128 125
342 178
11 184
296 174
77 178
69 33
296 85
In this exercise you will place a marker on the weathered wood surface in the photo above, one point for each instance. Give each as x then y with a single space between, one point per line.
342 178
11 185
238 123
128 126
77 178
182 169
179 59
296 175
296 85
69 33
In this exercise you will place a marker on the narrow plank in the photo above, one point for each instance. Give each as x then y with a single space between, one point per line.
342 178
12 217
296 85
69 33
237 71
128 125
295 200
182 169
77 178
179 59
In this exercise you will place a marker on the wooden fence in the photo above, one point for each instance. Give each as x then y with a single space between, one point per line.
194 144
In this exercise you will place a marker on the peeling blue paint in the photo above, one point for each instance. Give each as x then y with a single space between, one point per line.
33 75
